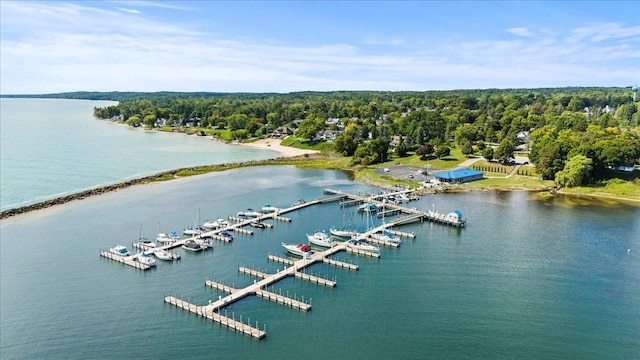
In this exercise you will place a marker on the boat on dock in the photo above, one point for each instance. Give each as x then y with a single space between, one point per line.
257 224
267 208
342 232
120 250
146 242
165 238
321 238
387 236
163 255
192 245
368 207
194 230
146 259
204 243
214 224
225 235
299 202
303 250
249 213
361 244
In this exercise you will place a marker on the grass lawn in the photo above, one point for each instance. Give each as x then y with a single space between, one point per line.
515 182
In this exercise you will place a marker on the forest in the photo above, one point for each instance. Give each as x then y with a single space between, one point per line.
573 135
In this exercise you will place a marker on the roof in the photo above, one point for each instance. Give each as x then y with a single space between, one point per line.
458 174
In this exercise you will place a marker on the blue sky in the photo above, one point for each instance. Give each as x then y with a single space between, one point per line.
283 46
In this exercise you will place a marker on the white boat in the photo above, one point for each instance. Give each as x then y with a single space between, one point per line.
342 232
165 238
362 245
257 224
194 230
249 213
146 259
321 238
204 243
214 224
387 236
146 242
191 245
163 255
269 209
303 250
120 250
225 235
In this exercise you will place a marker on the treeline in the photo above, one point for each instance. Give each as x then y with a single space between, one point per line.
557 124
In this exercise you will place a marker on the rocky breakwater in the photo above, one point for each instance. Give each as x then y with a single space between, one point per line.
85 194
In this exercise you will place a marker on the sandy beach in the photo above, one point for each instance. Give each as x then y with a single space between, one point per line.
275 145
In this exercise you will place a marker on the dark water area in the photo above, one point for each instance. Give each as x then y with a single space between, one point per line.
527 278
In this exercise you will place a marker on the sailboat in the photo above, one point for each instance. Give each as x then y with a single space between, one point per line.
342 231
196 229
142 241
386 235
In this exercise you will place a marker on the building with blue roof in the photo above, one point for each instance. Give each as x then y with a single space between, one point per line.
459 176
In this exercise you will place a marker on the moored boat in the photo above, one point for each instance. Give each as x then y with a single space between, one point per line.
194 230
298 249
267 208
120 250
225 235
362 245
321 238
204 243
163 255
257 224
165 238
146 259
368 207
249 213
387 236
146 242
191 245
342 232
214 224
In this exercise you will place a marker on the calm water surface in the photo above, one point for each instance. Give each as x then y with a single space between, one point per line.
54 147
525 279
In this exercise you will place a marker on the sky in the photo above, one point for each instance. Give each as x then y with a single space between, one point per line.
286 46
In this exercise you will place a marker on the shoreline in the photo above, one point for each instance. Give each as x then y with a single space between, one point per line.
266 144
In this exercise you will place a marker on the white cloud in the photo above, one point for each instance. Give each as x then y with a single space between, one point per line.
130 11
520 31
110 49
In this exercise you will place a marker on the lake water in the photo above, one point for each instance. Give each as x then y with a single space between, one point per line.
528 278
54 147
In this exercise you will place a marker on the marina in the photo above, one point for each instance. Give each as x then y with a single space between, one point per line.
213 310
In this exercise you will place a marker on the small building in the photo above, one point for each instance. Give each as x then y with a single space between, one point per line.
459 176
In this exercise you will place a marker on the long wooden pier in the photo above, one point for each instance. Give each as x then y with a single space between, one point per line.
295 268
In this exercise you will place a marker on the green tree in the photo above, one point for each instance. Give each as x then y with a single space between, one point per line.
487 153
401 149
345 144
424 151
309 128
467 148
505 150
134 121
576 172
442 151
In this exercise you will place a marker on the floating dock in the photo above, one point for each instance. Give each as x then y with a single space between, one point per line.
214 310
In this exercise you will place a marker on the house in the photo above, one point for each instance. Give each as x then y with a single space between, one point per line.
460 176
281 131
160 122
522 136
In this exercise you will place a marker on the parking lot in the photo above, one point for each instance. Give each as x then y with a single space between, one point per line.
404 172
